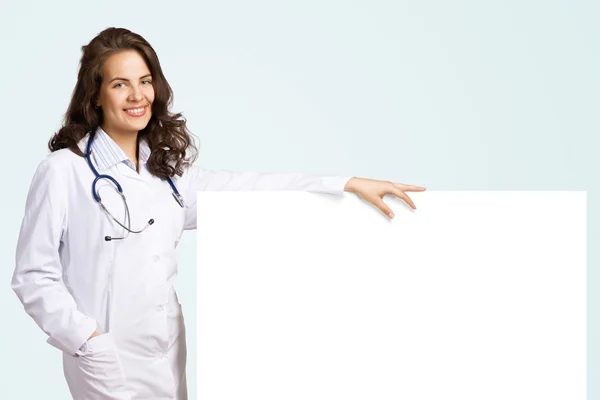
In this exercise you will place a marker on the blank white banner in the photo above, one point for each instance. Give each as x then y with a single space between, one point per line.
476 295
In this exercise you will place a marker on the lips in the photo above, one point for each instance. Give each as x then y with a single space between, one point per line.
136 112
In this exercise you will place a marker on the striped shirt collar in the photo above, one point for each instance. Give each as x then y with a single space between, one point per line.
107 153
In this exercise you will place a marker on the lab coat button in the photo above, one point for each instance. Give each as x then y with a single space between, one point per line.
156 258
161 308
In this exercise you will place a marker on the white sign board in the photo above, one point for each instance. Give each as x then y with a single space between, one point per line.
476 295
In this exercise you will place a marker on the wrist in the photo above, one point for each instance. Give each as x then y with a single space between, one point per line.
350 185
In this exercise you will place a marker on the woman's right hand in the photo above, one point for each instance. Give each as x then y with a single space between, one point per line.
97 373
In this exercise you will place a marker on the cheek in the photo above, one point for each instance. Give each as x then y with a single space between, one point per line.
150 94
114 102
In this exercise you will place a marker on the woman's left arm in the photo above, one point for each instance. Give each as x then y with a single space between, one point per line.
199 179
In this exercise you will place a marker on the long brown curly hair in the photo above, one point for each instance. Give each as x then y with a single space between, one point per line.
171 143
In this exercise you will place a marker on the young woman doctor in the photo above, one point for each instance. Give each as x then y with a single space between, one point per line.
95 259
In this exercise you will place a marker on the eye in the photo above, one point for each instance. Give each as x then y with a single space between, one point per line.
121 83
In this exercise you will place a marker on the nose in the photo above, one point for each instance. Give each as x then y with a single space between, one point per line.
135 94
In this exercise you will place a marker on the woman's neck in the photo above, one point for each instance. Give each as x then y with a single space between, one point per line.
127 142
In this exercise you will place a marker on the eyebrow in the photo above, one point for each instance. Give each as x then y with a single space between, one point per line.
124 79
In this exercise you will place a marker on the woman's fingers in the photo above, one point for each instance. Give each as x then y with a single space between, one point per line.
400 194
373 191
379 203
409 188
383 207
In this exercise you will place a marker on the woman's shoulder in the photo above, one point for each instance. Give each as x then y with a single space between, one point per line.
60 160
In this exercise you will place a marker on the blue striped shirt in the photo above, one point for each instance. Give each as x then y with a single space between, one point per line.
107 153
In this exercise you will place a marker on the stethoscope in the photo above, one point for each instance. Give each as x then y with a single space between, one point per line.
176 195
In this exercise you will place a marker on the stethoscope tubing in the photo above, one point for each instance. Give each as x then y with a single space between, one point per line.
178 198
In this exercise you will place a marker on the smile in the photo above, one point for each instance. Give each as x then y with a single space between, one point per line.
136 112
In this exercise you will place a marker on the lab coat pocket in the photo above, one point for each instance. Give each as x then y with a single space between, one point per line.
101 371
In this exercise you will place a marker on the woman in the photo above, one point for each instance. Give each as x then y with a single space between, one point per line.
98 278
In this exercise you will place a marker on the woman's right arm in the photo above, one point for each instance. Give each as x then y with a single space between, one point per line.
37 279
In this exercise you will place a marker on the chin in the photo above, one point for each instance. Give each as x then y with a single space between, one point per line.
139 125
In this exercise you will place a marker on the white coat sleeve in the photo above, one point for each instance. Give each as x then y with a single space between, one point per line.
37 279
196 179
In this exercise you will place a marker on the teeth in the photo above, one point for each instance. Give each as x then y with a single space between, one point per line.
135 110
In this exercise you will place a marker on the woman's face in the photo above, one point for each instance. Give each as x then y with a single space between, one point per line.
126 94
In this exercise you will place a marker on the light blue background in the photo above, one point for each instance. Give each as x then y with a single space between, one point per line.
464 95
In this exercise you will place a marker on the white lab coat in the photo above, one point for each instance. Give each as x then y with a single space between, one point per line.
72 282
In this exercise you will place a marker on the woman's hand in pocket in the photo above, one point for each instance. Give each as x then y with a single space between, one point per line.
100 374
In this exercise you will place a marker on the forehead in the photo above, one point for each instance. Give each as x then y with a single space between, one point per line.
125 64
